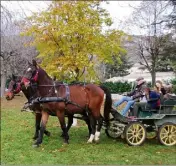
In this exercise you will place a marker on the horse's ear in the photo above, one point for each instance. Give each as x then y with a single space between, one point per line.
34 63
13 77
29 63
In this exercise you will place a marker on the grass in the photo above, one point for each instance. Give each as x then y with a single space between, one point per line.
17 129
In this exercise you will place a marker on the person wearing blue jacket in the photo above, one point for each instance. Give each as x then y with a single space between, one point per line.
153 101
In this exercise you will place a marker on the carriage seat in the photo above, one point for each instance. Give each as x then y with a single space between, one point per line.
168 106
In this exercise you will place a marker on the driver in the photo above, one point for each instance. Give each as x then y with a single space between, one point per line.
133 96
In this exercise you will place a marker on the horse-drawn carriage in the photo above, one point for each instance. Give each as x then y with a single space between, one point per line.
135 130
163 120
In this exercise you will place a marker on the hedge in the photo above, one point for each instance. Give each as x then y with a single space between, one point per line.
173 81
118 87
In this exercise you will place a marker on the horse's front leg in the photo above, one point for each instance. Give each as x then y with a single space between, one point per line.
70 122
44 121
61 117
38 117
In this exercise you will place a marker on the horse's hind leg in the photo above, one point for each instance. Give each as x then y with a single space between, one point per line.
87 120
97 134
44 121
61 117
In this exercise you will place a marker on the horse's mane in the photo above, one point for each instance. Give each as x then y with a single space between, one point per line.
78 83
43 73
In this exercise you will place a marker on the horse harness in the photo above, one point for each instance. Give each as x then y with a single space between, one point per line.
66 99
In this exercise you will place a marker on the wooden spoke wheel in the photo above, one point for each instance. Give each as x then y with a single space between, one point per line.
115 129
135 133
167 134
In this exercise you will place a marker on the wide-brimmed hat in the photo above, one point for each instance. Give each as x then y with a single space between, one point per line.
139 78
141 82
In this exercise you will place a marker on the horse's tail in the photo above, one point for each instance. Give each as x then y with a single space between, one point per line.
108 103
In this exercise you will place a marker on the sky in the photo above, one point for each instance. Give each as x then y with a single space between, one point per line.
119 10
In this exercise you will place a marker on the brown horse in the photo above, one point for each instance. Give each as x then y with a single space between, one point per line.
73 99
14 88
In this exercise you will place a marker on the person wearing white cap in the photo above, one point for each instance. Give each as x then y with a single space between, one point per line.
132 97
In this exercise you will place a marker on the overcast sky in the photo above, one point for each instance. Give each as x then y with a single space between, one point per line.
119 10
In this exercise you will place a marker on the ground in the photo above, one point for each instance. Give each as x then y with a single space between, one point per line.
17 129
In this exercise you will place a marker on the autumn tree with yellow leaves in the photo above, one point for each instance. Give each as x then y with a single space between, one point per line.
70 39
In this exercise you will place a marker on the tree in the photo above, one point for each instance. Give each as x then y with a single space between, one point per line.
118 69
151 43
70 40
14 55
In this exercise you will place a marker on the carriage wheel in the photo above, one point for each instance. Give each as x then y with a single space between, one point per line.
167 134
135 133
115 129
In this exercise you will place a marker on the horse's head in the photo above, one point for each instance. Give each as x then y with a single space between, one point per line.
30 73
30 79
14 87
34 78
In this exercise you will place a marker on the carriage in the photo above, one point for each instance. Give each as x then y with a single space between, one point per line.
135 130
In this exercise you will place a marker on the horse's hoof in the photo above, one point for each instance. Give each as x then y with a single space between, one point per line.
97 141
35 137
66 142
89 142
48 134
35 145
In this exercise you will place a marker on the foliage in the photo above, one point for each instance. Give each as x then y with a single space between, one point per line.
70 39
173 81
146 18
118 87
171 22
167 59
118 69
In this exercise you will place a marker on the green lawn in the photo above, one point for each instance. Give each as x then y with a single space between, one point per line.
17 129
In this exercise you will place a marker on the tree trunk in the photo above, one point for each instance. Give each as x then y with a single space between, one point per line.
153 74
3 83
3 77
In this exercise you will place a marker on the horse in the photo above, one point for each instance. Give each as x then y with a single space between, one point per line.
14 88
67 99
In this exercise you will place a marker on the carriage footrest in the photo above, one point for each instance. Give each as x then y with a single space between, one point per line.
118 116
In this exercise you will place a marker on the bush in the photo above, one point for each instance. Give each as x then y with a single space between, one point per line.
118 87
174 89
173 81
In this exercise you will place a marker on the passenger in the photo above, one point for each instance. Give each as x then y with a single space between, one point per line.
153 101
132 97
162 89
